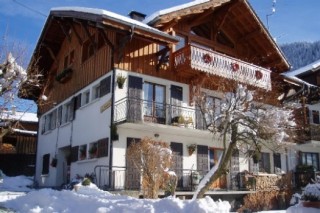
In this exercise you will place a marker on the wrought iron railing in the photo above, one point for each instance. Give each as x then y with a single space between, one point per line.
215 63
138 110
188 179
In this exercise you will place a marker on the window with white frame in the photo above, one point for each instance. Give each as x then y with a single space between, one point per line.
49 121
53 119
310 158
85 99
212 109
67 112
96 92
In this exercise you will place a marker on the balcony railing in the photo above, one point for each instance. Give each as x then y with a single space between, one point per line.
120 178
137 110
215 63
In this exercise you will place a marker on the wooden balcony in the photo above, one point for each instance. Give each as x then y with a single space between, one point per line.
199 59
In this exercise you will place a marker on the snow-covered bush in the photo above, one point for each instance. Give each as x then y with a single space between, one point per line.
152 158
311 192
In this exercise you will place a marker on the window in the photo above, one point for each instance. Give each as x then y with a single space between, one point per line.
68 60
264 163
49 121
103 145
214 155
82 152
309 158
277 162
315 117
68 112
45 164
212 109
93 150
96 92
85 99
154 98
53 119
46 123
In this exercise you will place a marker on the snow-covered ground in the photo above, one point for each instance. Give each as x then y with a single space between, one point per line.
15 195
91 199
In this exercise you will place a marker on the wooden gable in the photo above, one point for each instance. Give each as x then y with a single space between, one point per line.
230 27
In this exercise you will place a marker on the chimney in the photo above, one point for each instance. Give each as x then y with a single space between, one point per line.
137 16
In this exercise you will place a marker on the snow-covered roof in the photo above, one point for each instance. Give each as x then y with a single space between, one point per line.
27 132
19 116
114 17
172 9
310 67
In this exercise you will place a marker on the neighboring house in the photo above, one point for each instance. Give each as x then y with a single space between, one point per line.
88 119
305 90
18 142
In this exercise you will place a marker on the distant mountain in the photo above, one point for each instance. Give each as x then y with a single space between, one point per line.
300 54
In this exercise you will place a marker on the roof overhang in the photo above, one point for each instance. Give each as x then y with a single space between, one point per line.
259 38
58 24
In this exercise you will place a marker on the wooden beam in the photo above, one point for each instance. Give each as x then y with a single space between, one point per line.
250 35
65 31
106 39
201 18
76 33
164 57
49 50
223 12
170 24
86 30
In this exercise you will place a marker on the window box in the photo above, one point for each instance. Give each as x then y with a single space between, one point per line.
64 76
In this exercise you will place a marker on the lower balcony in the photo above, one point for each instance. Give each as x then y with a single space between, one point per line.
199 59
137 111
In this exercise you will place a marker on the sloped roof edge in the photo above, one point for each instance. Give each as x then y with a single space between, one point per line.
114 17
156 15
153 18
308 68
269 35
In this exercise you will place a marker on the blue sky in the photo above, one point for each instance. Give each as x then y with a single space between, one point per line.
294 20
21 21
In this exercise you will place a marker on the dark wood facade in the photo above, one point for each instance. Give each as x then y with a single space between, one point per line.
18 149
91 45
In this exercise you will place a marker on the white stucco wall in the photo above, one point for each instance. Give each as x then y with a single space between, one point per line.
89 125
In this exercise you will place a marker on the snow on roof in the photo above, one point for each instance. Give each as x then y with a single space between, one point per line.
25 131
19 116
114 16
173 9
310 67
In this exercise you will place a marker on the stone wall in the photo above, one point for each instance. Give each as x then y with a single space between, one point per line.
267 182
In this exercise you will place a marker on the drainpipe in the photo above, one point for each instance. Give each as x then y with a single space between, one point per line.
109 43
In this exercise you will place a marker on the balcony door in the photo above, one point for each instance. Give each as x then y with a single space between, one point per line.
134 99
176 101
154 102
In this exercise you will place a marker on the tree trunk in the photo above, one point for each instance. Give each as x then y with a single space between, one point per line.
220 171
224 162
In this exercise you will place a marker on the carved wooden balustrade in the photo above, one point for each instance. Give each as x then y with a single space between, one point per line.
211 62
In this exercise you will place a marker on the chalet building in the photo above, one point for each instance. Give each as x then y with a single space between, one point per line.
110 80
18 142
305 90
